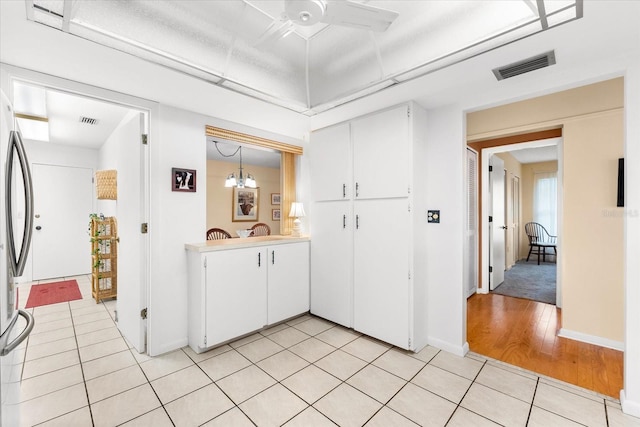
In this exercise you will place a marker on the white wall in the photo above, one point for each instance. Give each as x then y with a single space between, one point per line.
445 254
108 156
630 396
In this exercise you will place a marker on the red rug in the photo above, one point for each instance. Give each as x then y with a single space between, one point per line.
53 293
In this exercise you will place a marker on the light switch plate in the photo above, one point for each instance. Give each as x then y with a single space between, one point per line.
433 216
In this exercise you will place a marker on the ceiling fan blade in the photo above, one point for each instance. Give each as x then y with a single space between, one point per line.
358 15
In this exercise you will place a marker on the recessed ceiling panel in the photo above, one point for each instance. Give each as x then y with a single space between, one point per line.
341 61
251 47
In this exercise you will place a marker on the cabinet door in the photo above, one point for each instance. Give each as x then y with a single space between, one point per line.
287 281
381 154
331 261
235 293
330 163
381 270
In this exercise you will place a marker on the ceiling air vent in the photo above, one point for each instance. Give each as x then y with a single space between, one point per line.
88 120
524 66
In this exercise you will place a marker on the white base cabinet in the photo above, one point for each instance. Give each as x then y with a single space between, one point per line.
236 291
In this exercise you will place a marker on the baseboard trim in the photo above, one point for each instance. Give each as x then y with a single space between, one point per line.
591 339
167 347
629 407
458 350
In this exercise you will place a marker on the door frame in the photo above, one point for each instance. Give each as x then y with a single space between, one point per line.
485 154
151 111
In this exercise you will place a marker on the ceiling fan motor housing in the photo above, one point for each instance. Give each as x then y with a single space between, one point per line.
305 12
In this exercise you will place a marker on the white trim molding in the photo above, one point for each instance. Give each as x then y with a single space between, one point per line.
446 346
591 339
629 407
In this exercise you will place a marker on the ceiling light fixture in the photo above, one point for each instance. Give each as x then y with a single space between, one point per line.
240 181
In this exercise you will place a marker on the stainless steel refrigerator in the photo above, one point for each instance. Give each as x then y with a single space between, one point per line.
16 222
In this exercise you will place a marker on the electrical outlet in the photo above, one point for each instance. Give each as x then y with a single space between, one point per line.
433 216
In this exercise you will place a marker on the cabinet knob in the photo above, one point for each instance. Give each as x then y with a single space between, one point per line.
357 222
259 259
344 221
357 189
273 257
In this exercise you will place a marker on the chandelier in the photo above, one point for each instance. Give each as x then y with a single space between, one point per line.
240 181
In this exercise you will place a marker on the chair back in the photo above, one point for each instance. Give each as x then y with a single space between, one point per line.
260 229
217 233
538 234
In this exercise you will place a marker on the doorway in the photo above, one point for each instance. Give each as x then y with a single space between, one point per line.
89 130
547 149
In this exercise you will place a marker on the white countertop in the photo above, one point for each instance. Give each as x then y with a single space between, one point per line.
246 242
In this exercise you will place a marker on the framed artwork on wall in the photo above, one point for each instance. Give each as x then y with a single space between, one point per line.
275 198
183 180
275 214
245 204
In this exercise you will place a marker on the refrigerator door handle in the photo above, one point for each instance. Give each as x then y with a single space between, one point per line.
23 335
18 262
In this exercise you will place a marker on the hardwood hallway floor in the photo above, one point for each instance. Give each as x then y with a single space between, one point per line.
524 333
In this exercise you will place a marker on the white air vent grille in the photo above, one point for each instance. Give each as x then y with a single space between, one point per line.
88 120
525 66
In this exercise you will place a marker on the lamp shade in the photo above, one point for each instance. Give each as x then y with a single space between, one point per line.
297 210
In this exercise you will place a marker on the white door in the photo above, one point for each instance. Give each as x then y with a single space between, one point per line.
497 227
381 270
515 224
381 154
287 281
331 266
63 200
236 293
132 246
471 272
330 163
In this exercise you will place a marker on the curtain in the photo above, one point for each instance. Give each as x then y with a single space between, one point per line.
545 200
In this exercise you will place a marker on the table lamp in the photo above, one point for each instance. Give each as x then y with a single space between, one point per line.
297 212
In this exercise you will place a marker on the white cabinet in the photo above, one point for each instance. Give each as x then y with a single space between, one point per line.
331 252
331 163
381 269
381 154
235 293
363 270
237 290
287 281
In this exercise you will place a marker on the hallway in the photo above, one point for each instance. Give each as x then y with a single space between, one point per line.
524 333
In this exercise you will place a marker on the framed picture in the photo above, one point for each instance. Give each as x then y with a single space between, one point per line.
275 198
183 180
275 214
245 204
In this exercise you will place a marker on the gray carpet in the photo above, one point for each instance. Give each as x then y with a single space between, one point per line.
531 281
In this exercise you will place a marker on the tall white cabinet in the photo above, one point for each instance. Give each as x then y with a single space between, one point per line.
368 224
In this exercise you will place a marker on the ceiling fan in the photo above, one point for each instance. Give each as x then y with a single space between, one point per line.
331 12
338 12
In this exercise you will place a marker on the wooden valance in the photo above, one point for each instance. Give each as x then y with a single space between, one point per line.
251 139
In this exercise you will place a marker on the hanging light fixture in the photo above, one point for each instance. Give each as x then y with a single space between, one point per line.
240 181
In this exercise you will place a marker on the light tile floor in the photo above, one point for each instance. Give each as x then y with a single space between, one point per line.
79 371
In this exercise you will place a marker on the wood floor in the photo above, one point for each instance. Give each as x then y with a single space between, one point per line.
524 333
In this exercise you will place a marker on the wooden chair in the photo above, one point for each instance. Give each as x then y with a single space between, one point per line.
260 229
540 239
217 233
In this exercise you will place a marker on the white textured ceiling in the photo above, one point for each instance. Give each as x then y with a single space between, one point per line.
536 155
314 68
